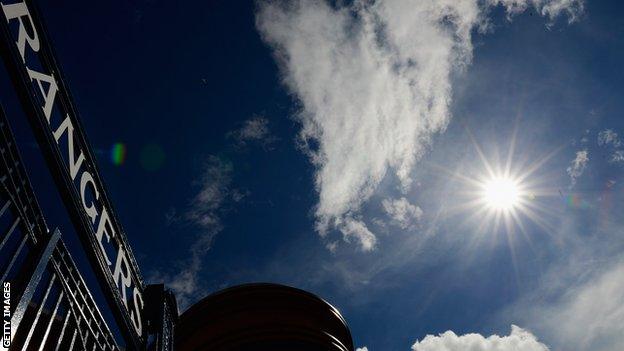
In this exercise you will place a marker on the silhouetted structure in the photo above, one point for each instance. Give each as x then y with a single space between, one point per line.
262 317
47 304
51 306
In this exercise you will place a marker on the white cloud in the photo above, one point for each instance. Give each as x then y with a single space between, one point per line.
608 137
549 8
362 349
589 315
255 129
592 319
354 228
402 212
578 302
617 156
373 80
578 165
518 340
204 212
332 246
611 139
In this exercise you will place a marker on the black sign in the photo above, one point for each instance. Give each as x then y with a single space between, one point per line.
45 98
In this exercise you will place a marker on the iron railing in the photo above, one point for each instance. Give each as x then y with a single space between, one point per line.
51 306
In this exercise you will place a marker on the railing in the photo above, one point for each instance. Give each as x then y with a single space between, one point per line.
51 306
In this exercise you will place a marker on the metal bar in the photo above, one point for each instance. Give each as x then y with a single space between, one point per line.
15 255
34 224
9 232
21 214
60 338
44 256
71 346
4 208
85 338
11 149
78 332
41 305
11 166
47 332
9 175
80 316
13 154
67 262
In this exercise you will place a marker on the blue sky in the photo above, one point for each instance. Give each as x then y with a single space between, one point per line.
335 148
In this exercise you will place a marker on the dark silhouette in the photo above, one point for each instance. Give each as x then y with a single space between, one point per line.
262 317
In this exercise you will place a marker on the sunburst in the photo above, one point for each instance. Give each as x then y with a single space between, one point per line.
505 196
502 194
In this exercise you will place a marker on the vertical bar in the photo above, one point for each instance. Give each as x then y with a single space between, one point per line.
10 231
47 332
44 256
15 255
73 340
82 303
4 208
60 338
41 305
13 155
85 337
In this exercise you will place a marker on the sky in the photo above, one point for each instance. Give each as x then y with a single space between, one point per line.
359 149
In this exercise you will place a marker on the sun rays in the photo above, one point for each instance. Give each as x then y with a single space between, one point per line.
501 194
500 197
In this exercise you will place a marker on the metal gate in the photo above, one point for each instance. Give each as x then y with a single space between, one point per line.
46 303
51 307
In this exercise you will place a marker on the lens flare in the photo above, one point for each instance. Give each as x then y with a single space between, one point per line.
576 201
152 157
118 154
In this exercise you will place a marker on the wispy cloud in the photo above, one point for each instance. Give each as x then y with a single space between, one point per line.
578 302
589 316
401 212
548 8
617 156
518 340
204 213
609 138
374 82
254 130
354 228
577 166
204 216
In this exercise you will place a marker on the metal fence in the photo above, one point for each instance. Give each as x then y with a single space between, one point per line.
51 306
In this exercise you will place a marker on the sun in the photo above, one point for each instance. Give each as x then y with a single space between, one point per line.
501 193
